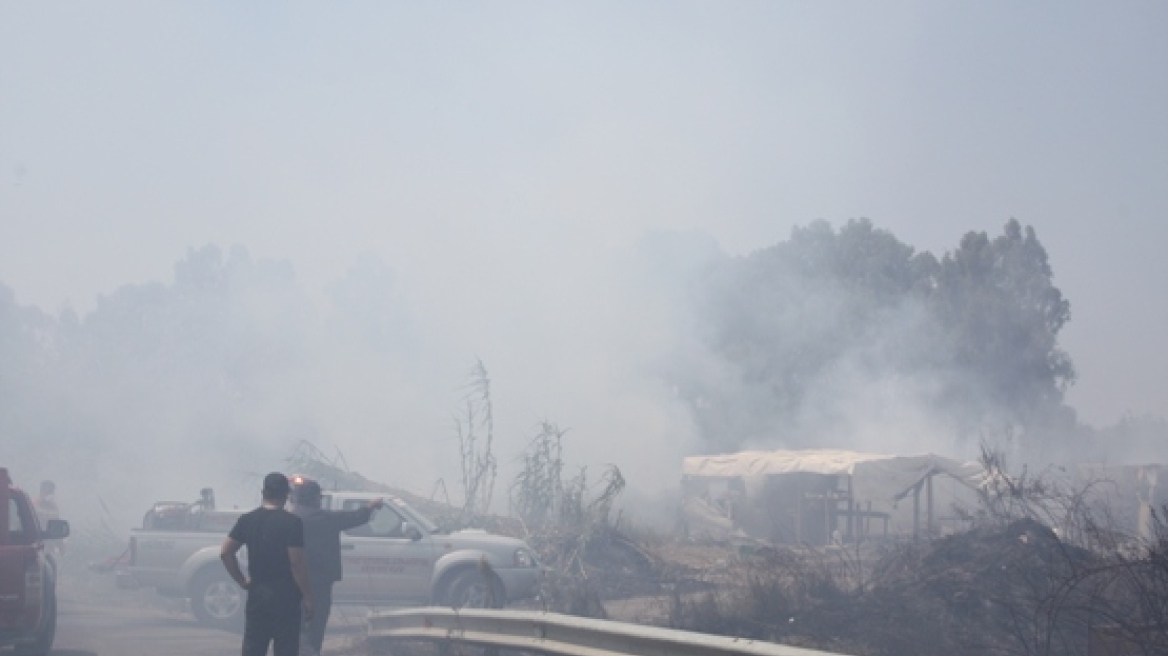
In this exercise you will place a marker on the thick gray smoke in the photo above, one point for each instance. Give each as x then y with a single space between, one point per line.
501 162
210 379
853 339
214 377
842 338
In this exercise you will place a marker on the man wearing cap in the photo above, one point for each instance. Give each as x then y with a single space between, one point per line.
322 548
278 584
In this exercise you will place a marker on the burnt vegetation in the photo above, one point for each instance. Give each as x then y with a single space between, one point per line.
570 522
1044 570
1013 585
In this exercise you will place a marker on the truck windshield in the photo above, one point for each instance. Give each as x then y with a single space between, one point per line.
414 516
404 509
15 525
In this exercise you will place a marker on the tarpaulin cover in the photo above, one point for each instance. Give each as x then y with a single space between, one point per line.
880 478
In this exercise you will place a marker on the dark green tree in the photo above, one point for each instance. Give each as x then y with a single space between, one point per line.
798 328
998 304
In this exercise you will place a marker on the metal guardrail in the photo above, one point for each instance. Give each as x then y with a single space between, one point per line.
551 633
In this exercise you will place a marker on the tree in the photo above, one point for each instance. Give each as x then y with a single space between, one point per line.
30 407
814 335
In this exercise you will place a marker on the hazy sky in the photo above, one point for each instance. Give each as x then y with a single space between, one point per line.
500 156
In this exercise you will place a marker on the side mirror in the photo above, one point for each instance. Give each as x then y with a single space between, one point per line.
410 532
55 529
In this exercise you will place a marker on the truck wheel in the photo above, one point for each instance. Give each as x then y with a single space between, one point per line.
44 639
469 588
216 600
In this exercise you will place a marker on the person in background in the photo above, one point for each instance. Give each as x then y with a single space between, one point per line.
46 508
322 547
278 586
46 502
206 500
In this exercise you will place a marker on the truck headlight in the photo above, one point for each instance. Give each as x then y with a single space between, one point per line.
524 558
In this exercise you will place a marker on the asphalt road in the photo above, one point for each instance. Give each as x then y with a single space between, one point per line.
97 619
85 628
94 619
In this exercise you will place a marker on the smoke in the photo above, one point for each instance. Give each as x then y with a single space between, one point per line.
501 164
852 339
212 378
666 347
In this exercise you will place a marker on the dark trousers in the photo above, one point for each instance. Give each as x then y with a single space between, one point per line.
273 617
322 596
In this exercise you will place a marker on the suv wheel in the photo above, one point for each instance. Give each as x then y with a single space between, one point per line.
470 588
216 600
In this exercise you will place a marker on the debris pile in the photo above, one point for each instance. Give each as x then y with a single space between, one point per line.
334 474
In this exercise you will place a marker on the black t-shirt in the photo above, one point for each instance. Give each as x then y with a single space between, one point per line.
268 533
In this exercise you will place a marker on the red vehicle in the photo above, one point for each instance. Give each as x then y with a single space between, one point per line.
28 575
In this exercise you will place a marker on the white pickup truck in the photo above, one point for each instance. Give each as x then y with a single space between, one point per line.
399 558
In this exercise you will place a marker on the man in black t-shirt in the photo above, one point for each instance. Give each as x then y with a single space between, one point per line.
322 548
277 583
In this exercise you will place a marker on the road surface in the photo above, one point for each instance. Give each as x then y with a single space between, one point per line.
96 619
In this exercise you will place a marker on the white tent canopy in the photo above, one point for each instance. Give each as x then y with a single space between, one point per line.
883 479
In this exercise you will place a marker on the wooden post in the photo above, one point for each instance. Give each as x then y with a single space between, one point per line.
916 511
929 504
851 511
828 515
868 520
798 508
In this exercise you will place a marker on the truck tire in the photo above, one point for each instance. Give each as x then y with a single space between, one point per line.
470 588
44 639
216 600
